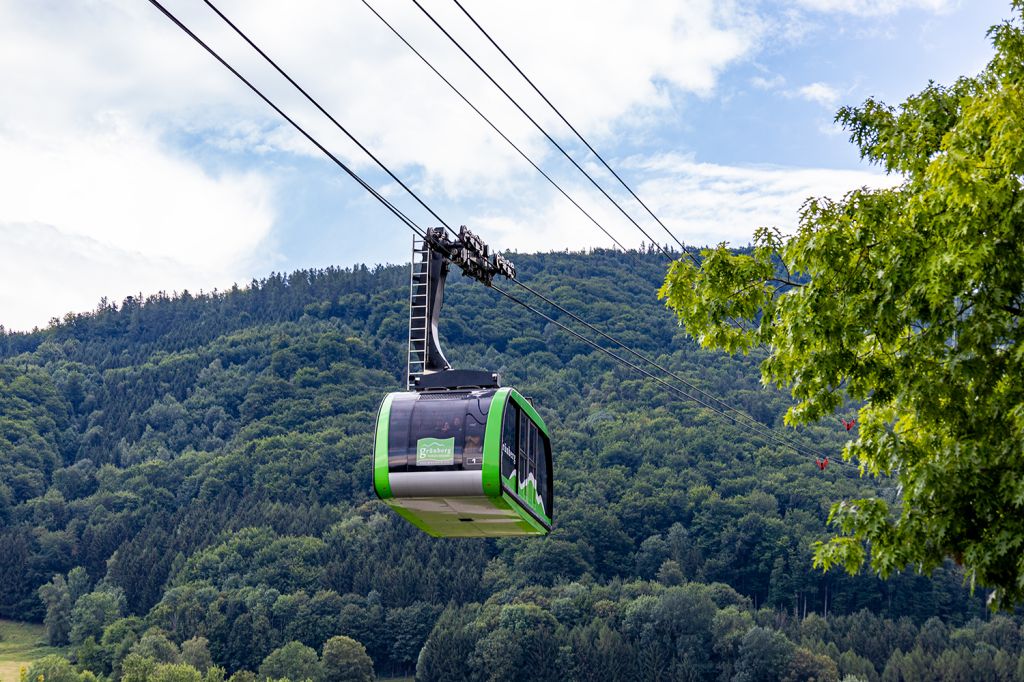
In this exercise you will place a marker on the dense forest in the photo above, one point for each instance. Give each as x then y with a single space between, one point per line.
185 492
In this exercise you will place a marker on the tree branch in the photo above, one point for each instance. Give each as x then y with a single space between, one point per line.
784 281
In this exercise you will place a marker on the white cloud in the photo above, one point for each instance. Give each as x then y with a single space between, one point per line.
122 54
109 212
820 93
708 203
702 203
97 95
95 202
93 199
874 8
47 273
402 111
118 186
113 119
768 82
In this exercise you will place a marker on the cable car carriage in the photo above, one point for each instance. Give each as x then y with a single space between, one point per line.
457 455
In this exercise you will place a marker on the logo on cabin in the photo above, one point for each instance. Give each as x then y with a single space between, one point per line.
435 451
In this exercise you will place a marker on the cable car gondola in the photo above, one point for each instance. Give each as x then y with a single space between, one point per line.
457 455
465 463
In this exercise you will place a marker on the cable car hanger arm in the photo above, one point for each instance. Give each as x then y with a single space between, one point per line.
428 369
471 254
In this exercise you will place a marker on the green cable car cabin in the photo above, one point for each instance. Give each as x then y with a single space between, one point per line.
457 455
473 463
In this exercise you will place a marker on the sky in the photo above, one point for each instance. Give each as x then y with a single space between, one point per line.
131 162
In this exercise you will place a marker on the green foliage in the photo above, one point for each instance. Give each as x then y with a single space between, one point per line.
196 652
852 665
57 598
155 644
345 660
175 672
118 640
535 653
764 655
455 630
91 656
243 676
214 674
136 668
407 628
600 652
212 464
295 661
78 583
807 666
95 611
55 668
908 302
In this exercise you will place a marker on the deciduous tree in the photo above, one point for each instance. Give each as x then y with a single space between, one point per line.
909 302
345 660
95 611
294 660
57 598
196 652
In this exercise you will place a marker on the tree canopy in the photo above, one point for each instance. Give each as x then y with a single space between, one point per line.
189 490
345 660
905 304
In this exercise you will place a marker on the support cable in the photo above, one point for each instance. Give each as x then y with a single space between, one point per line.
328 115
689 254
766 430
341 164
770 440
542 131
493 126
574 130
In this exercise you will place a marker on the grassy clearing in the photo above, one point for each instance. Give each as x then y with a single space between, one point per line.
20 644
10 671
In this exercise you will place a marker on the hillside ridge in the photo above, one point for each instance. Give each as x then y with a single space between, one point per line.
201 463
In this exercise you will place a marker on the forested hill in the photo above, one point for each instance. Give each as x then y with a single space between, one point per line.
198 466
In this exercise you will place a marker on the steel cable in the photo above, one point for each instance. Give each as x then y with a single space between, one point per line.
574 130
542 131
493 126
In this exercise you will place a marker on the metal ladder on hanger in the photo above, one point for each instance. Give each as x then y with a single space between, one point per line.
419 307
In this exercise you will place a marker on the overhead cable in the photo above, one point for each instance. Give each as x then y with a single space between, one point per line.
493 126
328 115
768 431
542 131
341 164
574 130
774 441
